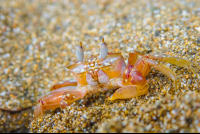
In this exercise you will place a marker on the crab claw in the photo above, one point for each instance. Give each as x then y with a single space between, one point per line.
129 92
79 52
133 84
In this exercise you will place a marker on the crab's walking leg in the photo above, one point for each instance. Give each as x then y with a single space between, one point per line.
144 65
163 69
133 57
173 60
71 96
63 84
53 99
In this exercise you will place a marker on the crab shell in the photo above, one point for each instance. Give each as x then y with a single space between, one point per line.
94 70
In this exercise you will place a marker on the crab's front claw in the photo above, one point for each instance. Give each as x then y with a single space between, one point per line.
133 84
130 92
71 96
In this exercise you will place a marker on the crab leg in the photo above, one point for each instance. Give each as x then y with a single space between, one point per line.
52 100
173 60
145 63
144 66
133 57
71 96
63 84
163 69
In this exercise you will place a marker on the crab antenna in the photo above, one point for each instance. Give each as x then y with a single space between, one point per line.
103 49
79 52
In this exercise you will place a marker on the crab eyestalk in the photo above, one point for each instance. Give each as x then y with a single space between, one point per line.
103 49
79 52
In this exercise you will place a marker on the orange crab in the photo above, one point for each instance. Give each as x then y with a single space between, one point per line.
106 71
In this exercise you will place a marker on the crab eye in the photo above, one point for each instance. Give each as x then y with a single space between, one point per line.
79 52
103 50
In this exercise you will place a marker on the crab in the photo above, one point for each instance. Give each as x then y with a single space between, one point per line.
107 71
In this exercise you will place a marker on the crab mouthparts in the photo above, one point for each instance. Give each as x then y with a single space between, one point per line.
96 76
